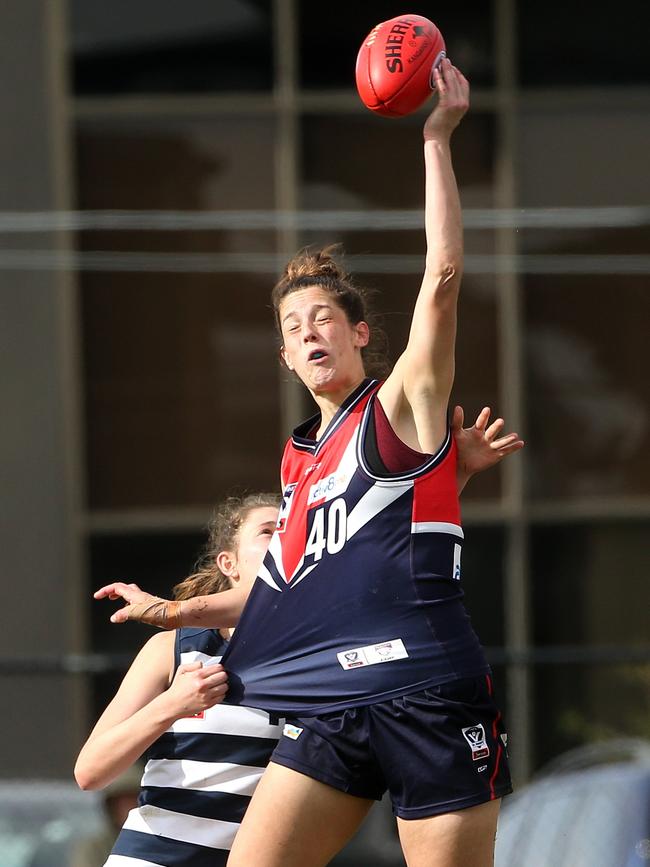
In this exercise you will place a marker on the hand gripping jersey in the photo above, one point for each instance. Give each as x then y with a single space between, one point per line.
358 599
199 777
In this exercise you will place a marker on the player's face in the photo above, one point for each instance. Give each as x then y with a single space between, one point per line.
319 342
252 542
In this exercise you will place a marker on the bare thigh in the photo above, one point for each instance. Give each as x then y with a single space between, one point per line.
461 839
294 821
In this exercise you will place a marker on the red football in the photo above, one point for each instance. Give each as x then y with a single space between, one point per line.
395 65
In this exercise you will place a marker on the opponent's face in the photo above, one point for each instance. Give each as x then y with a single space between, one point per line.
252 543
320 344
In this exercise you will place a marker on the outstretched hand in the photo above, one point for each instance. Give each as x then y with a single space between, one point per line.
453 101
141 606
480 446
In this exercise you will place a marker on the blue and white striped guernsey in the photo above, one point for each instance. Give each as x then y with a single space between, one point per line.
199 778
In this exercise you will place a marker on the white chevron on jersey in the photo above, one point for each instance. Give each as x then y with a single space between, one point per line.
202 776
275 550
304 575
374 501
266 576
214 833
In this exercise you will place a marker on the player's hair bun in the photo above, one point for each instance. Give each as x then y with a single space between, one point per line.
315 264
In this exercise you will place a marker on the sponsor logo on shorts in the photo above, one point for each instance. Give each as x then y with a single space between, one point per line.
475 737
504 741
292 732
481 769
384 651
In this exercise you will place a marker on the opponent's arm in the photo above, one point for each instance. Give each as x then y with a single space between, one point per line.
145 705
217 610
416 393
479 446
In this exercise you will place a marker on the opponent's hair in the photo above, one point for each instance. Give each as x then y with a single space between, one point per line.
223 531
324 268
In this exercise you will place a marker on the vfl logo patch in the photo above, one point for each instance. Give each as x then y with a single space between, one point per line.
372 654
352 659
475 737
292 732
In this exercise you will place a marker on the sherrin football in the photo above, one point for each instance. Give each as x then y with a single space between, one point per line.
395 64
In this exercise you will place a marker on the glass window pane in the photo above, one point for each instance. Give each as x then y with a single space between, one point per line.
161 46
225 163
181 388
180 351
589 583
559 43
335 30
565 157
381 164
588 426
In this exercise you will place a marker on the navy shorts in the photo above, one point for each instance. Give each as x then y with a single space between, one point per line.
435 751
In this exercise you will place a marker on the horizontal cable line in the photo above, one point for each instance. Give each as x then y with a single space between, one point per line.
272 263
97 663
349 220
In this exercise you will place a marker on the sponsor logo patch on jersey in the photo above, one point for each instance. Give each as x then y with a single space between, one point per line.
292 732
328 488
475 737
385 651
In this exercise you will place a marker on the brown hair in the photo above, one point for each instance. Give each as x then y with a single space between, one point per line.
222 536
324 268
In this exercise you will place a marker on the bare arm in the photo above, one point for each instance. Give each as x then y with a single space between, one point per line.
218 610
143 708
416 393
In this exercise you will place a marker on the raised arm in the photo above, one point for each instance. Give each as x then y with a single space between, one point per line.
145 705
416 394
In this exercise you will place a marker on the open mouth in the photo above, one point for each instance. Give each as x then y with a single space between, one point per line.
316 355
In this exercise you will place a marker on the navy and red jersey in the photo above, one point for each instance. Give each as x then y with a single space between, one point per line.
358 599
